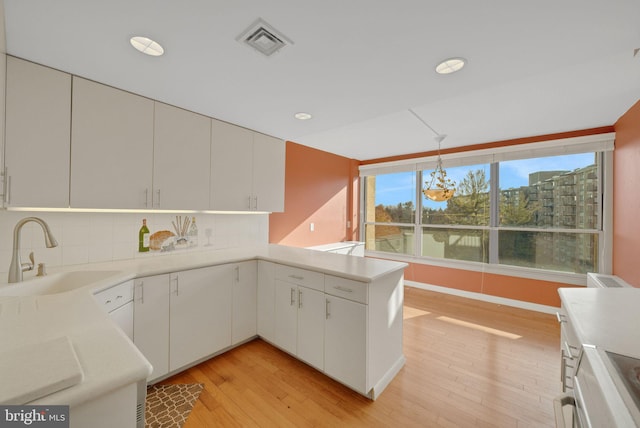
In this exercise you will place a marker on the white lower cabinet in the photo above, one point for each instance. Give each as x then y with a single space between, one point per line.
345 342
182 317
286 317
151 321
245 295
299 314
266 300
310 335
200 314
351 330
299 322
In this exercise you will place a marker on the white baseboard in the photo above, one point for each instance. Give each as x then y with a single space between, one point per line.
485 297
387 378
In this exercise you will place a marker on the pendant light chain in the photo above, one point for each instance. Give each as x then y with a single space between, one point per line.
441 187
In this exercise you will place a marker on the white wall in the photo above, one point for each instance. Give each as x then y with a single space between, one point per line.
100 237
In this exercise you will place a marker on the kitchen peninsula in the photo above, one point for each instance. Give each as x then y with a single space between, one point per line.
340 314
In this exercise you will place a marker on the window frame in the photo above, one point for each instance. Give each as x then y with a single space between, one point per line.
600 143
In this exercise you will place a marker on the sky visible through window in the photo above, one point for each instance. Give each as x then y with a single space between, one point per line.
392 189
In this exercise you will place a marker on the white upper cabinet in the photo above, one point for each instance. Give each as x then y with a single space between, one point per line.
72 142
268 173
247 170
181 159
38 120
231 167
111 147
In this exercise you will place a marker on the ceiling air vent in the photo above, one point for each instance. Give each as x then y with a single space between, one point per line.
263 38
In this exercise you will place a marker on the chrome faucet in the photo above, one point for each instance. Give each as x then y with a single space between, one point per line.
17 267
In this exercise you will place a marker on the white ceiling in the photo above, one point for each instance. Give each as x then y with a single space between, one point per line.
534 67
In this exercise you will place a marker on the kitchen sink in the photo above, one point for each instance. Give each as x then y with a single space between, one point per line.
56 283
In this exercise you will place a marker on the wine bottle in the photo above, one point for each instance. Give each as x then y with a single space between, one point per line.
193 233
143 237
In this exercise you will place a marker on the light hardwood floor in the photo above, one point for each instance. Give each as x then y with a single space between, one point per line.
469 363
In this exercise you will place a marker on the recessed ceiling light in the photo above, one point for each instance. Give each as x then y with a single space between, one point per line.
450 65
146 46
302 116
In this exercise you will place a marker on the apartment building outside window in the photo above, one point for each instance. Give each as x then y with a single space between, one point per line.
534 207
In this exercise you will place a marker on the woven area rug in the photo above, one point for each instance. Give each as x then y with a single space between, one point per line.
168 406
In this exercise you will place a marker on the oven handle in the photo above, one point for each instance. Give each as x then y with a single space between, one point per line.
558 404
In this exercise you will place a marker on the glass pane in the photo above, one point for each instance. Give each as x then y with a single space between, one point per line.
567 252
390 198
470 202
552 192
388 238
458 244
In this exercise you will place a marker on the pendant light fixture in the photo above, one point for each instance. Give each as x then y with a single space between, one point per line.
440 188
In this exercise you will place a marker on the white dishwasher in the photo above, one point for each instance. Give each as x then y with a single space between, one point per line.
117 301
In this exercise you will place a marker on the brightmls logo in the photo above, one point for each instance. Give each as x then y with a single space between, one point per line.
34 416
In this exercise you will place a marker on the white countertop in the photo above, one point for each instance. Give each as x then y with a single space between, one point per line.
108 358
336 245
608 318
356 268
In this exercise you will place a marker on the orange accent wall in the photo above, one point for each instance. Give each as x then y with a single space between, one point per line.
523 289
626 197
320 188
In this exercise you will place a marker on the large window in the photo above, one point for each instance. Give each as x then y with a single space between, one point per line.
519 210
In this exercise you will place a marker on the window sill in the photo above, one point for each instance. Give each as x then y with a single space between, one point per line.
516 271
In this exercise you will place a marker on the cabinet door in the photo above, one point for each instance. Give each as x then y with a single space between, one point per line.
231 167
181 159
268 173
311 318
200 314
345 343
38 135
266 300
112 147
286 316
244 301
151 322
123 317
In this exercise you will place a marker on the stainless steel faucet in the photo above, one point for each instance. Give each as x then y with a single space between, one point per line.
17 267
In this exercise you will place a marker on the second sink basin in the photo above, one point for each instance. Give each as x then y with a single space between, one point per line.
56 283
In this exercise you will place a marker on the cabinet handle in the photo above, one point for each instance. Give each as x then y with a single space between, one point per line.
107 302
255 203
237 273
177 285
299 278
293 296
327 314
249 202
6 185
146 198
345 289
560 317
299 298
563 370
569 348
141 285
158 201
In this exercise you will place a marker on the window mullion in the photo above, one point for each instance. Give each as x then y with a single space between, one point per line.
494 211
417 228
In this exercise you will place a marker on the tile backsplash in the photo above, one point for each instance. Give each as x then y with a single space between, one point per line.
102 237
